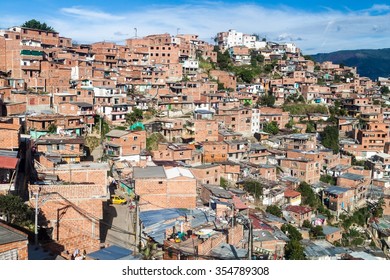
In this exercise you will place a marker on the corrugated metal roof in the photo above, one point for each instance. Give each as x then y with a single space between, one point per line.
336 190
155 222
9 235
112 252
352 176
217 191
178 172
117 133
226 251
149 172
330 230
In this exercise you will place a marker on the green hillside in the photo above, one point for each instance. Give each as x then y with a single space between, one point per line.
369 63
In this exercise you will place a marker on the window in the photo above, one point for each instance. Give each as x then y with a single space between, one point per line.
135 138
72 147
160 182
207 172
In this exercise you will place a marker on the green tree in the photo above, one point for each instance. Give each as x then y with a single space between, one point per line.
267 100
306 224
224 183
310 127
52 128
317 231
330 138
328 179
292 232
294 250
271 127
100 122
35 24
274 210
224 61
384 90
290 124
16 211
153 140
135 116
254 188
309 197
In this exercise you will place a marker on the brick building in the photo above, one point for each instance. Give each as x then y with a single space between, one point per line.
160 188
69 149
10 129
124 143
207 173
13 243
214 151
299 213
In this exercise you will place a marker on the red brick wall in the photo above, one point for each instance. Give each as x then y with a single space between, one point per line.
21 246
209 175
78 211
16 108
173 193
9 138
97 176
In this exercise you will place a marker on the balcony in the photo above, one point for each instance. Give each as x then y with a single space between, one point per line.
31 57
85 113
32 67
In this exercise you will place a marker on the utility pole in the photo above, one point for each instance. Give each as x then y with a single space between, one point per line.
36 219
250 241
137 225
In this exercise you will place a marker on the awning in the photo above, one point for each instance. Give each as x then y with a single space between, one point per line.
8 163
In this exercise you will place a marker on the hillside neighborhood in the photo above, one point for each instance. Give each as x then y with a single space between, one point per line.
169 147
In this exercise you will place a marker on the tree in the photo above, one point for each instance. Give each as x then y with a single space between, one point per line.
274 210
291 232
52 128
306 224
309 197
35 24
294 250
317 231
224 183
15 210
254 188
328 179
153 140
310 127
224 61
330 138
134 116
267 100
271 127
384 90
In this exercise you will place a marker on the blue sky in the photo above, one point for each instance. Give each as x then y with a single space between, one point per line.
315 26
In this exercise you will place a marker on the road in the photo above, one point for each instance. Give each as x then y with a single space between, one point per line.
118 226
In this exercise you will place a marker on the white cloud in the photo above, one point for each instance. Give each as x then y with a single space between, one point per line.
324 31
87 14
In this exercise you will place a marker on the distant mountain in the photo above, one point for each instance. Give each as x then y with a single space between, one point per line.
369 63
